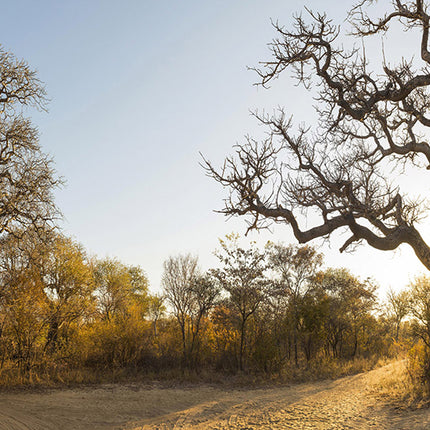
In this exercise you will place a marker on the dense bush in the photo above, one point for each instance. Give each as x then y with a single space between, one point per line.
68 317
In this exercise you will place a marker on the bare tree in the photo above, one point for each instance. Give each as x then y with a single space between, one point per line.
370 124
205 293
192 296
178 278
156 309
27 177
398 307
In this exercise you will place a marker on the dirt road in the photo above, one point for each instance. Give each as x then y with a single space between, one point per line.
347 403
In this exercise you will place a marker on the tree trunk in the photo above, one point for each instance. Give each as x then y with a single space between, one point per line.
242 343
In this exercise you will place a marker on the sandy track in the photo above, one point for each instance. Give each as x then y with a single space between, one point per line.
346 403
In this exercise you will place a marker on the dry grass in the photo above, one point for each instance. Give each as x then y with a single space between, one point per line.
345 403
51 376
397 388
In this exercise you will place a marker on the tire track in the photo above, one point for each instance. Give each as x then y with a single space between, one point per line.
347 403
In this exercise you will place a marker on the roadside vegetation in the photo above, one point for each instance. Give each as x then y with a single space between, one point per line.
263 315
272 314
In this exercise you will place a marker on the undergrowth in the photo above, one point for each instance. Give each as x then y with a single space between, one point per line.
57 376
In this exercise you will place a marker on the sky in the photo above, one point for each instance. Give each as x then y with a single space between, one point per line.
137 90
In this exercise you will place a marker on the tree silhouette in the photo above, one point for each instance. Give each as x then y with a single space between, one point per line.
371 125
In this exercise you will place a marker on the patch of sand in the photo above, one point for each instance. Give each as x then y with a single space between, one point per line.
347 403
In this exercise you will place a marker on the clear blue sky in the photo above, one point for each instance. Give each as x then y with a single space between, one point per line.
137 89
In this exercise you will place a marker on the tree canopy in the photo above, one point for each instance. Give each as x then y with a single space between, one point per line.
371 125
27 177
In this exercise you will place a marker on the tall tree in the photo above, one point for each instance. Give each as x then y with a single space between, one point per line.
69 285
191 295
205 293
371 125
350 302
295 267
178 277
398 308
117 287
420 310
156 308
27 177
242 277
23 303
